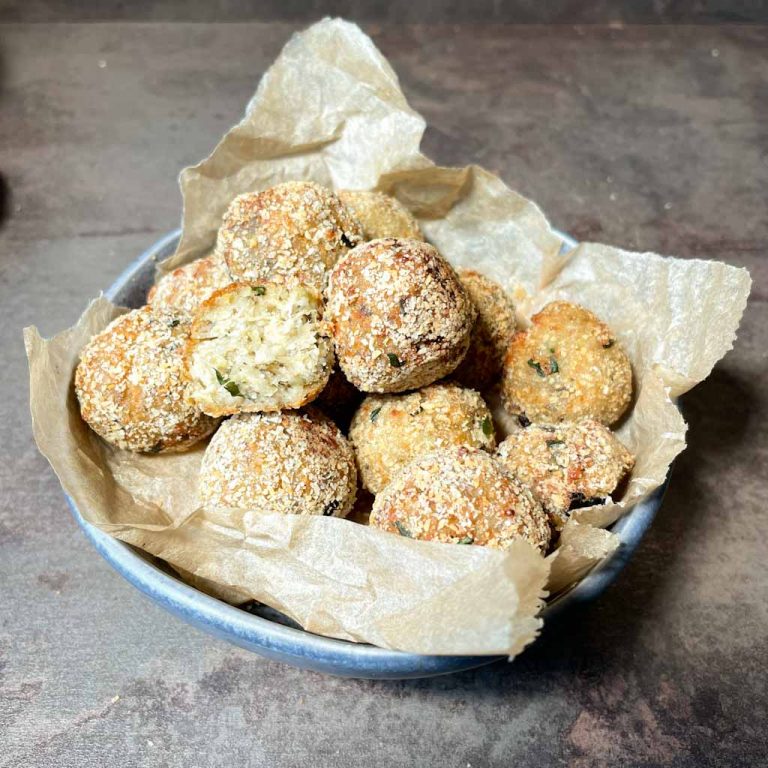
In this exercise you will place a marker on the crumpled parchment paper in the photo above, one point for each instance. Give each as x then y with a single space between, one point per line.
331 110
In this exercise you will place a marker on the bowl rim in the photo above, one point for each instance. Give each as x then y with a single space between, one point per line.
262 634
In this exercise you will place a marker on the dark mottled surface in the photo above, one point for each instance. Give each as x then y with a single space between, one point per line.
651 138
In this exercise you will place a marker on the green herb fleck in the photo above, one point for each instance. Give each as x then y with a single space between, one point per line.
174 322
259 290
331 507
403 531
608 344
487 426
466 540
553 366
228 384
394 360
156 448
550 443
537 367
375 414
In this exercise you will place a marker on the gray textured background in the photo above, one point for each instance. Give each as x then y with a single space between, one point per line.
650 138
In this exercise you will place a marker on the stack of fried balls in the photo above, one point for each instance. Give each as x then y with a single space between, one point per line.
324 346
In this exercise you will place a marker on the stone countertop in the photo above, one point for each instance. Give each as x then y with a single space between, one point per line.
651 138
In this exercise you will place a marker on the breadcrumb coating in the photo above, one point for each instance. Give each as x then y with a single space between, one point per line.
566 464
291 463
491 334
400 317
567 366
258 347
131 386
291 232
461 496
390 431
187 287
380 215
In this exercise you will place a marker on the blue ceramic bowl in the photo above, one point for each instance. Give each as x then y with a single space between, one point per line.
272 635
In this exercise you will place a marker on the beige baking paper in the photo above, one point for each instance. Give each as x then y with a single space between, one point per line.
331 110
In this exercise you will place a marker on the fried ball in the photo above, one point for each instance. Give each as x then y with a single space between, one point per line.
389 431
187 287
291 232
291 463
380 215
258 347
339 399
491 334
567 366
566 465
461 496
131 386
400 317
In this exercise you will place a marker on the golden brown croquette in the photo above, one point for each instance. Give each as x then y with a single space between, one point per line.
400 317
567 366
567 464
292 463
131 386
187 287
491 334
291 232
380 215
389 431
461 496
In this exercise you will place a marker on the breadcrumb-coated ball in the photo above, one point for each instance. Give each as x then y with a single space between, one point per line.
566 465
567 366
491 334
258 347
400 317
131 386
461 496
292 463
187 287
389 431
380 215
291 232
339 399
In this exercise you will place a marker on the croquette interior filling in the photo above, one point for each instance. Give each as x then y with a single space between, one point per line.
262 344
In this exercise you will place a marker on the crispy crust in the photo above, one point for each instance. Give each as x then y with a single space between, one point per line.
461 496
566 464
201 331
567 366
491 334
380 215
131 386
291 463
390 431
400 317
187 287
291 232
